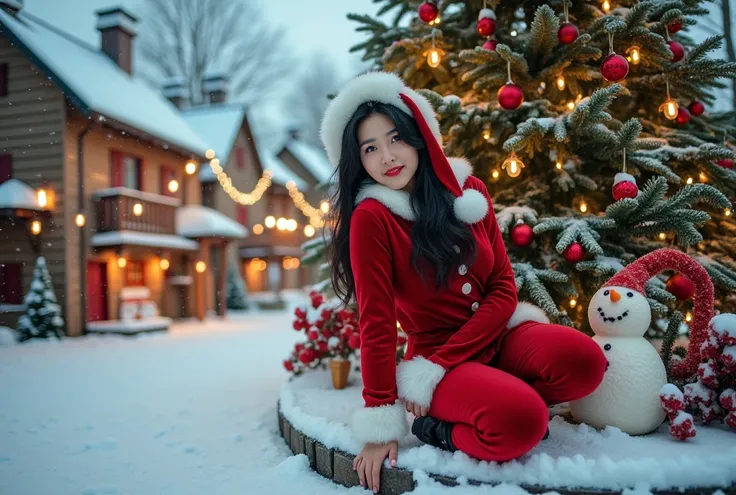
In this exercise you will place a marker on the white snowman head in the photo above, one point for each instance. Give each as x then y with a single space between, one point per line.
617 311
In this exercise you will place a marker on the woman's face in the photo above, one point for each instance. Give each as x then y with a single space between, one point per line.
385 156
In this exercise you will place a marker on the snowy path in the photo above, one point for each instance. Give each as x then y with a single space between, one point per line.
189 412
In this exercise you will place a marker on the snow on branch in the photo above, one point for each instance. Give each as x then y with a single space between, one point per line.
576 229
531 282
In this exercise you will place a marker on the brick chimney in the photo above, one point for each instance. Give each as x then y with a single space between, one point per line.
214 86
176 91
12 6
118 28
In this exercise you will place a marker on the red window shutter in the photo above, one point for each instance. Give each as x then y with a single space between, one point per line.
11 290
116 168
239 157
3 79
242 213
6 167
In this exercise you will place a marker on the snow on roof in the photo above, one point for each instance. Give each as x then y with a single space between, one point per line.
312 158
15 194
218 125
129 237
200 221
93 81
281 173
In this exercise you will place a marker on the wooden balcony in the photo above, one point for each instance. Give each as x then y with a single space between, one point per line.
275 237
120 208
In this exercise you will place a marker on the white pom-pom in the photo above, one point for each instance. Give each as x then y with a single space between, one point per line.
486 13
471 207
623 177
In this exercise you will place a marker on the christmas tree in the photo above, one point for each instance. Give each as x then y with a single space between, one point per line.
588 122
236 292
43 314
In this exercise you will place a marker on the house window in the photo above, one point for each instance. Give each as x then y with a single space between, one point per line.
127 171
6 167
167 187
10 283
3 79
242 214
239 157
134 274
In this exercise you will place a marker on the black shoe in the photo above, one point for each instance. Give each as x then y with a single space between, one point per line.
434 432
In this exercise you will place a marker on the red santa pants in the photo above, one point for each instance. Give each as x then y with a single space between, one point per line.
501 410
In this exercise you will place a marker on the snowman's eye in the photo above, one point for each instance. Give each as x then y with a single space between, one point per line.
606 293
607 347
630 294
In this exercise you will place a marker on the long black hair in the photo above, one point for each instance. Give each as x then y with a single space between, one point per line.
436 231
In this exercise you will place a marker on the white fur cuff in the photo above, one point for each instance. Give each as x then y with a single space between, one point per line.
417 378
471 207
380 424
527 312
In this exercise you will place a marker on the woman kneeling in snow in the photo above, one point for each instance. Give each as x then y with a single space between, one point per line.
415 240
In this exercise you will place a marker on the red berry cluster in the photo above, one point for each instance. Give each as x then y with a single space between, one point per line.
710 394
682 425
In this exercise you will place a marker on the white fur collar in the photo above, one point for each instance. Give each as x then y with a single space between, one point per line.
398 201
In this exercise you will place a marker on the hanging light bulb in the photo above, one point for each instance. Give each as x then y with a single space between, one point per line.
560 82
190 168
571 105
670 108
495 174
36 227
606 6
486 135
727 212
558 165
434 57
688 317
513 165
583 206
573 302
662 236
79 220
702 177
634 54
689 180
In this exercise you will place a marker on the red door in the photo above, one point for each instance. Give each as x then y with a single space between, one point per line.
96 291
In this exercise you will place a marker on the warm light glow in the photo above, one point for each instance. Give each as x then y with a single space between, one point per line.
727 212
434 57
201 266
688 317
309 231
606 6
634 55
190 168
486 135
495 174
583 206
122 262
270 221
164 264
513 165
662 236
702 177
689 180
43 201
514 33
137 209
571 105
558 165
173 185
670 108
573 302
290 263
258 229
281 223
258 264
210 154
325 207
36 227
560 82
80 220
291 225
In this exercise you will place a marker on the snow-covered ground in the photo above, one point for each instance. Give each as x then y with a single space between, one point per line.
190 411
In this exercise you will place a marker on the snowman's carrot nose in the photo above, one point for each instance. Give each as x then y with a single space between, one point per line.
615 296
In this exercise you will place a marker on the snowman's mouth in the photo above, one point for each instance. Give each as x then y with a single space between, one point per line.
612 318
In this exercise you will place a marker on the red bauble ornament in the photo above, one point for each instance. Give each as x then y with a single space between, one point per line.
427 11
510 96
725 163
490 45
624 186
522 235
696 108
574 253
486 26
683 116
674 27
614 67
568 33
679 286
678 51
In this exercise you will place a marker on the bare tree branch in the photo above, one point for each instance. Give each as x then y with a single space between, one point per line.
190 38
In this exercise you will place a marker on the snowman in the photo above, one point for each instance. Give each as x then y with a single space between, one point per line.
619 314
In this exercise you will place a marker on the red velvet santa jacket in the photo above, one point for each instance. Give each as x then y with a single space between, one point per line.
445 327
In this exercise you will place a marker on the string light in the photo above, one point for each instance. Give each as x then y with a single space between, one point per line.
434 55
164 264
258 264
313 214
573 302
727 212
79 220
270 221
606 6
558 165
122 262
583 206
325 207
42 198
137 209
309 231
486 135
258 229
634 54
201 266
689 180
173 185
670 108
702 177
190 168
210 154
513 165
36 227
662 236
688 317
560 82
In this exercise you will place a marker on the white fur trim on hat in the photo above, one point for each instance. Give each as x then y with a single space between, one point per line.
379 86
527 312
417 378
471 207
379 424
486 13
623 177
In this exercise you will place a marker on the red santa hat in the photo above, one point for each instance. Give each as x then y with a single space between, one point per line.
470 206
636 275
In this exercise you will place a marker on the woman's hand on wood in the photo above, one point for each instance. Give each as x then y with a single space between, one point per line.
368 463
